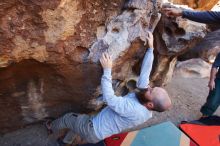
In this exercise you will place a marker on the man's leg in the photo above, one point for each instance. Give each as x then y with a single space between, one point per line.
212 101
80 128
67 121
65 125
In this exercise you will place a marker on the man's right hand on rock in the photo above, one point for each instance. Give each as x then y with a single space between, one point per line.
150 40
106 61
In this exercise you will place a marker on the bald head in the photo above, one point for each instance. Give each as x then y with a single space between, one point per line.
156 99
160 99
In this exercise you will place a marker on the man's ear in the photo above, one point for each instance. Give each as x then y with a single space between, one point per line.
149 105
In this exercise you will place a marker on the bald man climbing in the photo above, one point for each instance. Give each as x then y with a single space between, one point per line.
121 113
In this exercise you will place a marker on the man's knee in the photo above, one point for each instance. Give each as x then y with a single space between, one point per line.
69 120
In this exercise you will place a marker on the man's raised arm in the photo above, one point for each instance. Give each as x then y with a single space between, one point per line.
146 67
202 16
197 16
116 103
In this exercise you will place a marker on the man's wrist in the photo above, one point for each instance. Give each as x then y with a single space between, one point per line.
107 68
107 71
183 13
211 80
151 48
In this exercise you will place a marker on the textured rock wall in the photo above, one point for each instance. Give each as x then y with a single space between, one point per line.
207 49
197 4
173 37
45 70
50 50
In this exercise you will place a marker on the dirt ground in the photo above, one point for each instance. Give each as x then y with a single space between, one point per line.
187 96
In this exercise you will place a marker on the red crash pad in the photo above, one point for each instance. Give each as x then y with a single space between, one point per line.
202 134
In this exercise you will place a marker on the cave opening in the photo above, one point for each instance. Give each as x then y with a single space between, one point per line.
31 91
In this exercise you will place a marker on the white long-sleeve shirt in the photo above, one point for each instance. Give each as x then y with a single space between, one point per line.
125 112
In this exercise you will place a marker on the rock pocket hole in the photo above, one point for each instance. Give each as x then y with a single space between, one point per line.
168 31
115 30
80 54
182 40
180 31
131 84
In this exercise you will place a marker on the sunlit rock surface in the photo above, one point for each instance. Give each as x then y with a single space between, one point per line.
193 68
45 70
197 4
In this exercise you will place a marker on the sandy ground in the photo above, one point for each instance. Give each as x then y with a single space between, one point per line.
187 96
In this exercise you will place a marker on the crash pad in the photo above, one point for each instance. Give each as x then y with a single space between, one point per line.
164 134
203 135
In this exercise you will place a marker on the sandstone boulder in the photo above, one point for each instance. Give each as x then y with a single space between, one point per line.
44 65
196 4
207 49
50 50
193 68
173 37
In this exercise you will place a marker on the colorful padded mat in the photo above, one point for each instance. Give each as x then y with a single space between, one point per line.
164 134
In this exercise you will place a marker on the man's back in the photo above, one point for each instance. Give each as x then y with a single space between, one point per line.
109 122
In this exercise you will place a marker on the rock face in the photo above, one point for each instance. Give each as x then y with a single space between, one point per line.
197 4
45 70
50 50
193 68
173 37
207 49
